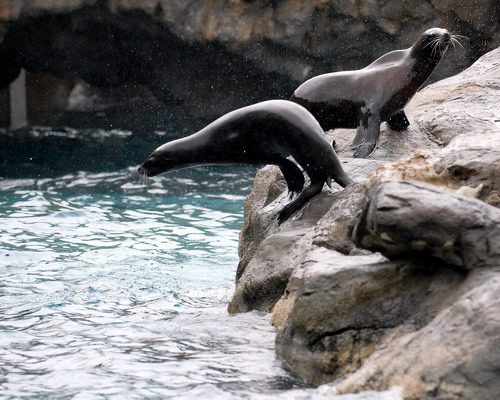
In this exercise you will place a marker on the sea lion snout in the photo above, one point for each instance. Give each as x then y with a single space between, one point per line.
150 167
434 32
142 170
437 36
446 38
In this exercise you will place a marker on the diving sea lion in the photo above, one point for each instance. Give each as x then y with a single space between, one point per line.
364 98
263 133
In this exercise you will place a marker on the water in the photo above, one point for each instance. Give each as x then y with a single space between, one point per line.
111 289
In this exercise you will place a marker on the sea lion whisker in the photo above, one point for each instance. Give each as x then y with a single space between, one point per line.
431 43
455 41
436 47
144 179
443 46
460 37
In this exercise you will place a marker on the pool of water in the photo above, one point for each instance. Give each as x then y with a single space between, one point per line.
113 289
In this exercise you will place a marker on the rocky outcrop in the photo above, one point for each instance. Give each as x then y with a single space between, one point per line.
405 218
210 57
263 272
374 325
421 313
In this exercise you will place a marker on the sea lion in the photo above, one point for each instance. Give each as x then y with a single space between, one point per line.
263 133
379 92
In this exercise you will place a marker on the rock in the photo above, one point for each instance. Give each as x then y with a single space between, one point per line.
327 392
468 165
319 34
456 103
455 356
347 307
334 229
474 161
425 319
332 215
408 217
263 271
265 278
375 325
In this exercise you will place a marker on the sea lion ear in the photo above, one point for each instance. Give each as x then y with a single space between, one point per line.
333 143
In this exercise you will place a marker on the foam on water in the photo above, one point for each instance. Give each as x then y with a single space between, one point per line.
112 289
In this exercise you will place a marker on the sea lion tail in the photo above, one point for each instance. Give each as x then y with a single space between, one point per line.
343 180
339 176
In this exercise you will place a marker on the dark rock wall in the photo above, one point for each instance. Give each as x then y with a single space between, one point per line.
305 38
109 49
209 57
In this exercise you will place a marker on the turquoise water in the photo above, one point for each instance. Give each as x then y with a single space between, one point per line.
112 289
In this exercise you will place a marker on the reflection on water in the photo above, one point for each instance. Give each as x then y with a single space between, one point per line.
111 289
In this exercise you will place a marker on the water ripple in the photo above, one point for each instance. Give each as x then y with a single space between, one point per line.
111 289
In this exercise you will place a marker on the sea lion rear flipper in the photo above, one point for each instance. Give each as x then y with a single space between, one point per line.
366 138
302 199
398 121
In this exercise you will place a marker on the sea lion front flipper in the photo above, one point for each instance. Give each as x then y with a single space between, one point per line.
366 138
398 121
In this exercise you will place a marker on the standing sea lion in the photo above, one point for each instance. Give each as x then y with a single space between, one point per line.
263 133
364 98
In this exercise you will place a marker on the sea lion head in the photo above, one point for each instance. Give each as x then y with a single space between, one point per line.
168 157
433 43
152 166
